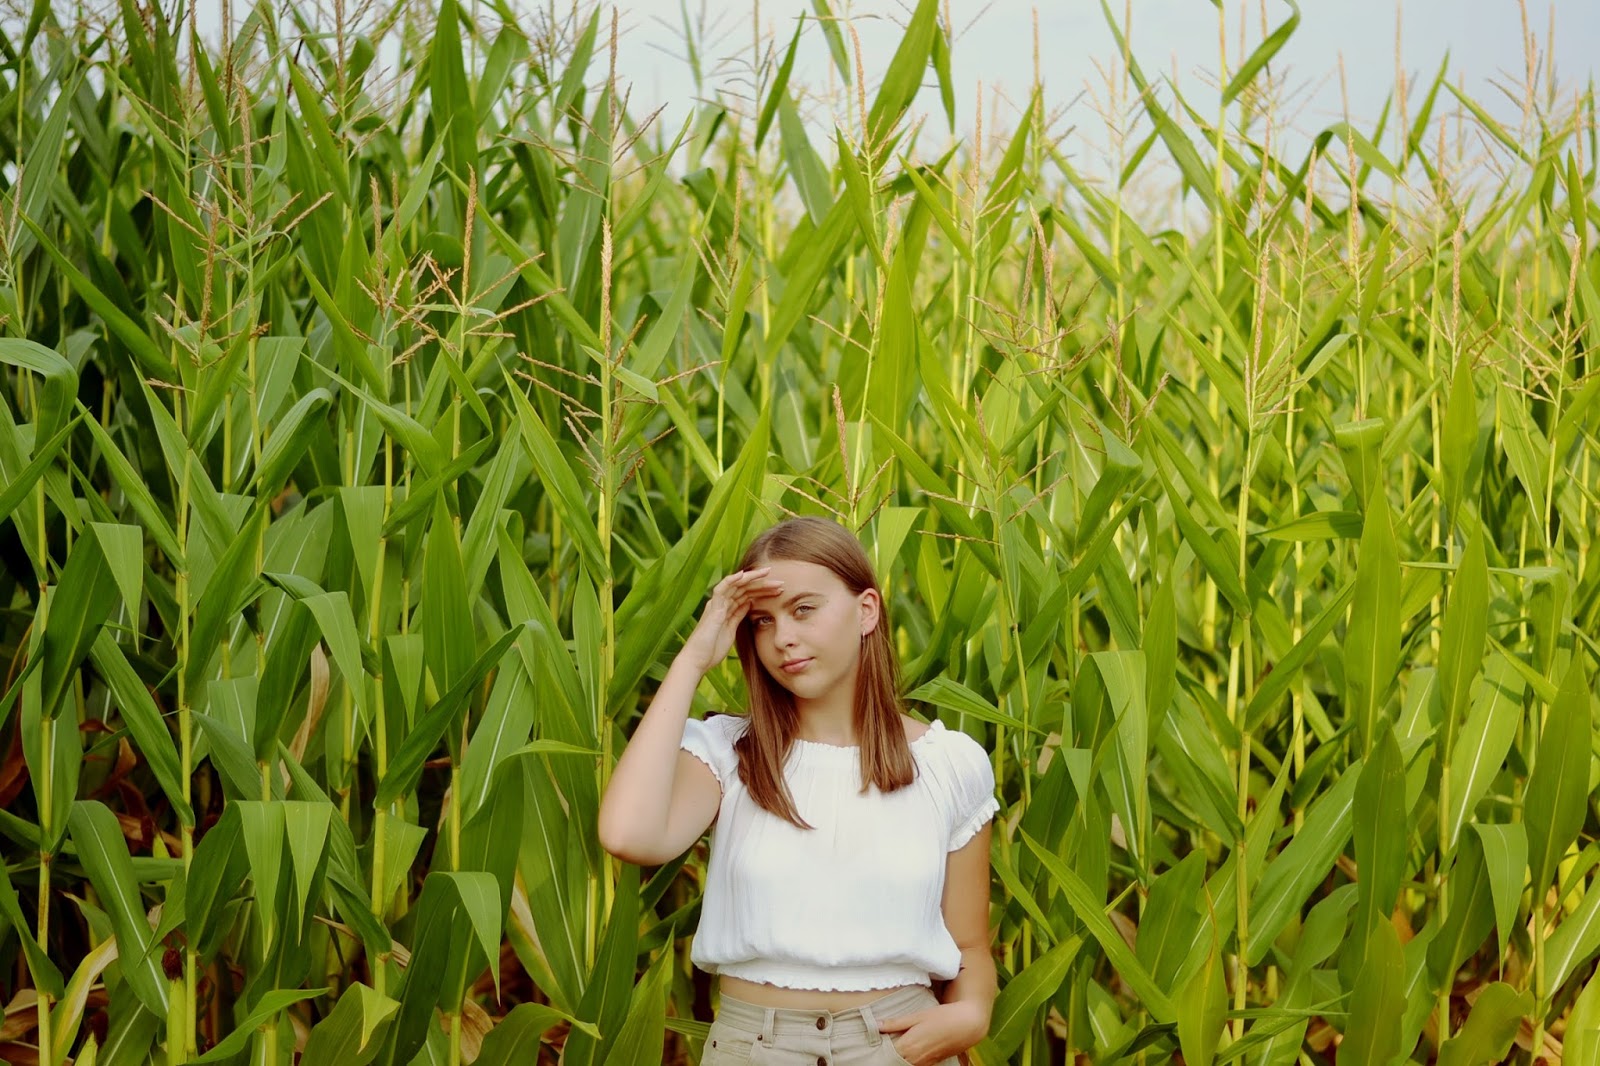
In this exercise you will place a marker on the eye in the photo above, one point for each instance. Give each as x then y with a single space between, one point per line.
803 609
761 620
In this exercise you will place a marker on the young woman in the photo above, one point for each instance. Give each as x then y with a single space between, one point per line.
849 869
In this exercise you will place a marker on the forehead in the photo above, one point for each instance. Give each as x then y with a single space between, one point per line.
800 576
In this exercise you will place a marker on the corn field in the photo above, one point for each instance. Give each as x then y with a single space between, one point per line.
383 395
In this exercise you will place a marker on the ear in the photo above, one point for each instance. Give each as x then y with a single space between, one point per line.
871 610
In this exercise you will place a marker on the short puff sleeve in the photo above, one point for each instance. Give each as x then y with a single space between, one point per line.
971 784
711 741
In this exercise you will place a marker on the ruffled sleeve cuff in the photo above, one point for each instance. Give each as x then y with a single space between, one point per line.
968 829
711 742
972 789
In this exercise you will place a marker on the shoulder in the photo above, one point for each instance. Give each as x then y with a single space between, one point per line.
953 757
711 740
960 770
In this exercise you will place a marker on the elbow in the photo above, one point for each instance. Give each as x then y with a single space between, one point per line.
616 839
612 836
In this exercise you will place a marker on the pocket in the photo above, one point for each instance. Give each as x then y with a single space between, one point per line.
727 1046
894 1055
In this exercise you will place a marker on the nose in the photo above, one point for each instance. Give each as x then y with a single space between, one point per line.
782 632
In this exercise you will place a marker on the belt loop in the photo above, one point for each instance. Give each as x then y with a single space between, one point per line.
769 1025
874 1037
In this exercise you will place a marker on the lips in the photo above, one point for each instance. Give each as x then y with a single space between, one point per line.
794 666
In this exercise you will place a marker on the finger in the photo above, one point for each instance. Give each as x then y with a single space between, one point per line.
897 1024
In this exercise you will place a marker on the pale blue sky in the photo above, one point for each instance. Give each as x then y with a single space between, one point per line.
994 46
1484 39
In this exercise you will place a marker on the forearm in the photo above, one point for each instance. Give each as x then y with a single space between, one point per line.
638 799
974 988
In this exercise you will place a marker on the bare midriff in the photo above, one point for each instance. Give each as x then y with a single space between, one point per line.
799 998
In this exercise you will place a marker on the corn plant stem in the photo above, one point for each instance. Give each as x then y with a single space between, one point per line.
186 753
379 967
47 728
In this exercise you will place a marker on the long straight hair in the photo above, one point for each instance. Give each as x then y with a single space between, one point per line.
774 720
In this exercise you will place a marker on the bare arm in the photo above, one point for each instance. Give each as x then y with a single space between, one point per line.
961 1019
966 915
660 799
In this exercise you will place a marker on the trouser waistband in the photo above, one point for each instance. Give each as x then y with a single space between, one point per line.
776 1023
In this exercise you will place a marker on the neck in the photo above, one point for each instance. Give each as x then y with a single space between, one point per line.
830 718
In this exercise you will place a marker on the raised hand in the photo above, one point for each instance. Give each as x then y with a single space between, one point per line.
728 605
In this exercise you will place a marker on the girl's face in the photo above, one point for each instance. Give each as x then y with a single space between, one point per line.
808 635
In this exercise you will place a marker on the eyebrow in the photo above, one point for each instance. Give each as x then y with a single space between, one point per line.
787 602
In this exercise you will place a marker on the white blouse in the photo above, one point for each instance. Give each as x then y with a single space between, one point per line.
853 903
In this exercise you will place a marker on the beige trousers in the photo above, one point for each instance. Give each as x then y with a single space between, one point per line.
781 1036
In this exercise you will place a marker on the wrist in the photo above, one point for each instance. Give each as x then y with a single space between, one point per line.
687 664
974 1019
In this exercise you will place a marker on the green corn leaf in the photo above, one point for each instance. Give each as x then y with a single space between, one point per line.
903 79
515 1038
68 1014
143 719
1261 56
60 380
1372 644
81 603
1574 942
780 83
288 442
642 1035
104 856
1289 669
1580 1045
1319 525
406 763
1172 915
46 977
1092 914
1471 912
1461 458
609 991
1381 821
131 484
288 660
353 1034
1222 569
558 481
1505 857
951 695
152 361
1017 1006
43 458
827 246
1486 737
1558 785
452 95
1201 1007
1466 630
1291 877
449 638
233 585
1490 1028
676 577
553 909
1372 1037
261 831
264 1012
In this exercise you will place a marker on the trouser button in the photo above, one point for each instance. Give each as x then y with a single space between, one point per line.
821 1061
822 1023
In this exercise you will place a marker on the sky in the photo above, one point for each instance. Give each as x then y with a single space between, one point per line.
993 56
1484 40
